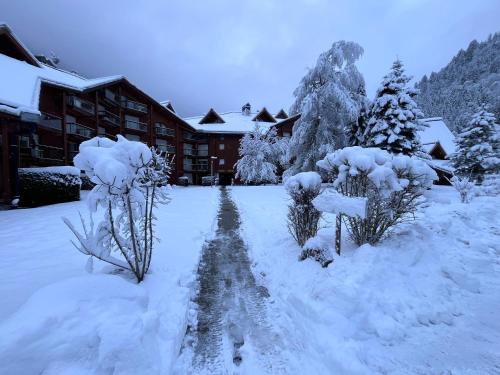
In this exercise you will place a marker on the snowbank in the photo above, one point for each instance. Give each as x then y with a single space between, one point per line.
424 300
65 169
57 319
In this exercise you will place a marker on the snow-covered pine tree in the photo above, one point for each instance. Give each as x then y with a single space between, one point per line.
357 129
394 115
254 165
328 99
478 147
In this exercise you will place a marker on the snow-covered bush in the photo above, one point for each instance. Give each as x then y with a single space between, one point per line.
316 248
254 165
392 185
86 183
131 180
478 148
303 217
464 187
49 185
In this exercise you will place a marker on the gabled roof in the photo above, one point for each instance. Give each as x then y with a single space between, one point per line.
212 117
281 114
15 42
264 116
168 104
437 132
235 122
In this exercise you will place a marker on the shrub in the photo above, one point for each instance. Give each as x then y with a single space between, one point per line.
464 187
87 184
316 248
303 217
392 185
49 185
130 182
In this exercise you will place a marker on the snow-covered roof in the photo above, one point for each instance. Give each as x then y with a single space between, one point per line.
20 88
235 122
437 131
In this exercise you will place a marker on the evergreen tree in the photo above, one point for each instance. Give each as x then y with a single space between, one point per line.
328 99
394 115
356 131
478 147
254 165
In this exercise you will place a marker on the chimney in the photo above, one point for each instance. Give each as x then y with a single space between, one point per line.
246 109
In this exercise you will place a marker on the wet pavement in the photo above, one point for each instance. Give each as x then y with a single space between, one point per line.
231 308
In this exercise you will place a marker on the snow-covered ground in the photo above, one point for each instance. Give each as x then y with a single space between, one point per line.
55 318
424 301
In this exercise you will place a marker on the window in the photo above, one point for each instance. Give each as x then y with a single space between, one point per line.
221 137
287 134
221 146
24 141
222 162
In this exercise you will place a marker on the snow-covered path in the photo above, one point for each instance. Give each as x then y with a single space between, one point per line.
231 332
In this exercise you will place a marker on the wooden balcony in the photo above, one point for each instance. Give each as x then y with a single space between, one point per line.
169 149
51 122
196 167
135 106
109 118
81 105
161 129
79 130
136 125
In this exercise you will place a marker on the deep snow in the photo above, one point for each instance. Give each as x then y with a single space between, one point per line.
55 318
424 301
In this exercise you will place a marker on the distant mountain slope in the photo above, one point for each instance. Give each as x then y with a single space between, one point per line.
472 77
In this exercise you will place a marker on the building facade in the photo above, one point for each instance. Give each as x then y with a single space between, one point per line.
45 113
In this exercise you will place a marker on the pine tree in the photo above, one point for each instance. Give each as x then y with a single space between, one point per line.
356 131
478 147
394 115
328 99
254 165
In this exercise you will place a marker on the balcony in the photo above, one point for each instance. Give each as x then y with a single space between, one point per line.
45 152
111 97
81 104
195 153
136 106
136 125
162 129
109 117
196 167
50 122
169 149
79 130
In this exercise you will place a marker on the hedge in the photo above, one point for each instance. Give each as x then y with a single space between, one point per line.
42 186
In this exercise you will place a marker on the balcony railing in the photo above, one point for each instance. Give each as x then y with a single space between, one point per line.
81 104
136 106
50 122
80 130
136 125
163 130
109 117
196 167
169 149
111 97
195 153
48 152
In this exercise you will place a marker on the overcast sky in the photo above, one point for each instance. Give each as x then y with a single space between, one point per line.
223 53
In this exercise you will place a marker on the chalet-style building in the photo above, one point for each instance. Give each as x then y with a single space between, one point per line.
46 112
439 142
222 133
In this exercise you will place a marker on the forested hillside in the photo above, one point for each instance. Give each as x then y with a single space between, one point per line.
472 77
